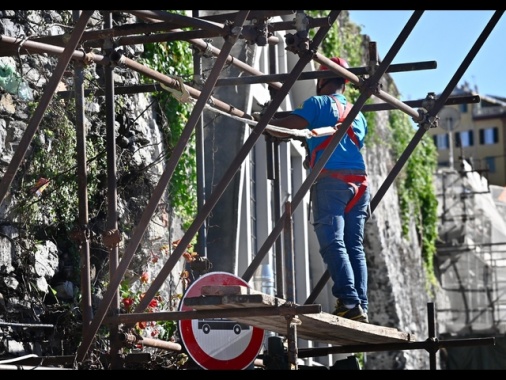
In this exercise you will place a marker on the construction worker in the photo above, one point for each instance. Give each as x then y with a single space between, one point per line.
339 196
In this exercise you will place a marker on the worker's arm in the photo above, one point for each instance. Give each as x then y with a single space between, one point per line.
289 122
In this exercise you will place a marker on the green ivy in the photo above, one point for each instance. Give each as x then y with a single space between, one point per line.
416 187
175 59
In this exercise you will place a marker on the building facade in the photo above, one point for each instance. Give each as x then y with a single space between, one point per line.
473 132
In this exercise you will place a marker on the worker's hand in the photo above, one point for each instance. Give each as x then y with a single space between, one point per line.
257 116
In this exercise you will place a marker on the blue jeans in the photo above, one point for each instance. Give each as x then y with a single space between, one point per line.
341 237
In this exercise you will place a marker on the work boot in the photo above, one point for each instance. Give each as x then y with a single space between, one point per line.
355 314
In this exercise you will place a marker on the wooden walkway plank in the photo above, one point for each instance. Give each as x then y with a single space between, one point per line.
321 327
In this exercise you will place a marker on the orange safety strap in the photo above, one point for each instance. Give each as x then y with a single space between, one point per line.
351 179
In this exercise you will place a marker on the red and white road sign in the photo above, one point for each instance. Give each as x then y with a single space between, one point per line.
219 343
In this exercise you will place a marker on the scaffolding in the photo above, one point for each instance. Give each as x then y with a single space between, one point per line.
231 26
471 253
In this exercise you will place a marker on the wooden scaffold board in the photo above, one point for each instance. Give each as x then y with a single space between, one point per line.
322 327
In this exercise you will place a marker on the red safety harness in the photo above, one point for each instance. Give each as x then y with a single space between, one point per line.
351 179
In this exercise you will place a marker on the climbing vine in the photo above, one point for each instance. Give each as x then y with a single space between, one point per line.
415 187
175 59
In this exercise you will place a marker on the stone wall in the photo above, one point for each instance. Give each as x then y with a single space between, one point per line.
39 275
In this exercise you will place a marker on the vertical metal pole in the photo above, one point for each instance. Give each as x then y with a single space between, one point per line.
278 254
82 181
112 198
432 334
292 322
450 149
199 141
289 253
274 173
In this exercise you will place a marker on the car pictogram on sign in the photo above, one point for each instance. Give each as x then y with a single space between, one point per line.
206 325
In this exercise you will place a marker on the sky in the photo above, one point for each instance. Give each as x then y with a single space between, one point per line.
442 36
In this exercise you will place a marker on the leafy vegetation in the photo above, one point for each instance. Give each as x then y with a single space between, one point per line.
175 59
416 188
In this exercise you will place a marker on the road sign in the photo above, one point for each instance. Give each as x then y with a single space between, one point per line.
219 343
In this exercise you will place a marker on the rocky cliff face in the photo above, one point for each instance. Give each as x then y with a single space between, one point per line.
34 267
397 281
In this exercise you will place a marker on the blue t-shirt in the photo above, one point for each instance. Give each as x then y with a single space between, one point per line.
322 111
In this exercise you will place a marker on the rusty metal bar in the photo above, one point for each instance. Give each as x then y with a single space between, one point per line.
82 191
194 117
259 77
420 103
181 20
291 333
175 35
307 75
93 38
124 32
41 48
153 203
129 339
234 61
38 47
112 196
175 84
201 247
427 345
46 97
283 310
289 253
431 316
178 35
412 103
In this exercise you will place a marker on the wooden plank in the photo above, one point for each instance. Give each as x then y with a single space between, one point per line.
321 327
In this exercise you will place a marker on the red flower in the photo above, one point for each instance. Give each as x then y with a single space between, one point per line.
128 302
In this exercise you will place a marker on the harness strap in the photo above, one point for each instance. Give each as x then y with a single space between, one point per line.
343 112
351 179
342 116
